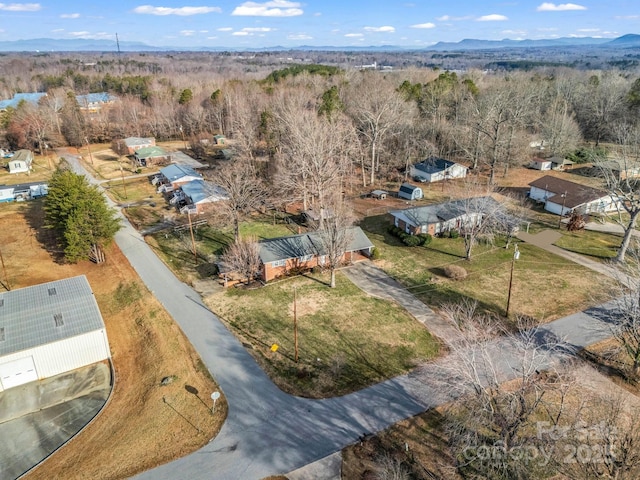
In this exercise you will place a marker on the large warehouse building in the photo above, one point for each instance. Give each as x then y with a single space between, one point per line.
49 329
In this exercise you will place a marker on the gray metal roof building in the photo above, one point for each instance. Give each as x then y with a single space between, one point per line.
48 329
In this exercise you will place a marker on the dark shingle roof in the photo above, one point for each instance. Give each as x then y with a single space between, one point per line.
576 193
28 315
294 246
442 212
433 165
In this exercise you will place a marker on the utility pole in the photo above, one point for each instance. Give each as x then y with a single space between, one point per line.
124 185
564 200
295 327
89 148
193 240
516 256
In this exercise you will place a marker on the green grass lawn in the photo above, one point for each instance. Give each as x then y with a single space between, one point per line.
597 245
544 286
347 340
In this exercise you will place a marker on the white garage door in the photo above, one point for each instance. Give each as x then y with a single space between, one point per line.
17 372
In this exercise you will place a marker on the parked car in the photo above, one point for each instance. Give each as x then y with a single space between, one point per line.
420 178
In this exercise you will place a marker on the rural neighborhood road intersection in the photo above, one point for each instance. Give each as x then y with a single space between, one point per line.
268 432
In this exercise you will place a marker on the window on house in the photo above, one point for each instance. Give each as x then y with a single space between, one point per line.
57 318
52 291
322 259
1 334
306 258
279 263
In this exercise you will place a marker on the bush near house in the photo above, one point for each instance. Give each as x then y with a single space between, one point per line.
409 240
455 272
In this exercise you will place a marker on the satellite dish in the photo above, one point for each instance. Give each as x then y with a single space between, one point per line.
215 395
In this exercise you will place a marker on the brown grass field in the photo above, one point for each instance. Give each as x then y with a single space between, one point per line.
144 424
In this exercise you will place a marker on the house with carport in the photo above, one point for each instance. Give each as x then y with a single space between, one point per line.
444 217
173 176
149 156
563 197
198 196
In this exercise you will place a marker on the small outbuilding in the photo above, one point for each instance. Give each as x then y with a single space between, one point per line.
21 162
410 192
49 329
379 194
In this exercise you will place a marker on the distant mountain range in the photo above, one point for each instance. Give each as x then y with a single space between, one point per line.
84 45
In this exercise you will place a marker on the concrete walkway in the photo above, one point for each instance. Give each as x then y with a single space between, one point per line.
377 283
546 240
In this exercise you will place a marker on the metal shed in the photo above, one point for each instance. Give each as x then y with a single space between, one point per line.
410 192
49 329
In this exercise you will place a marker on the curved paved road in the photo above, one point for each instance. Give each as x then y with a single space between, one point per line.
267 431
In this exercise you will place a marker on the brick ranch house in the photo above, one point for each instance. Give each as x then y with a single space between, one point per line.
297 253
442 217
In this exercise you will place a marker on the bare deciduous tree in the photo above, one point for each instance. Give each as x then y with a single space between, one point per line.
245 191
336 236
622 182
626 294
504 386
377 109
243 257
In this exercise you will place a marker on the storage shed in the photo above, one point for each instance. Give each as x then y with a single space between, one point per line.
49 329
410 192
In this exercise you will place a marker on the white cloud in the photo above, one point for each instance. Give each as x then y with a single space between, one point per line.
212 38
83 33
187 33
20 7
224 29
70 15
57 30
587 30
354 35
299 36
181 11
257 29
273 8
240 34
449 18
627 17
385 29
562 7
494 17
548 29
424 25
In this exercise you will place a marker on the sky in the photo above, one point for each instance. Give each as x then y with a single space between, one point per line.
341 23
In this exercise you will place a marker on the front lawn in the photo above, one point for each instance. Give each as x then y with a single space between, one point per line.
597 245
347 340
545 286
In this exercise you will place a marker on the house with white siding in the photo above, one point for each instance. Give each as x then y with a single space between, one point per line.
564 197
